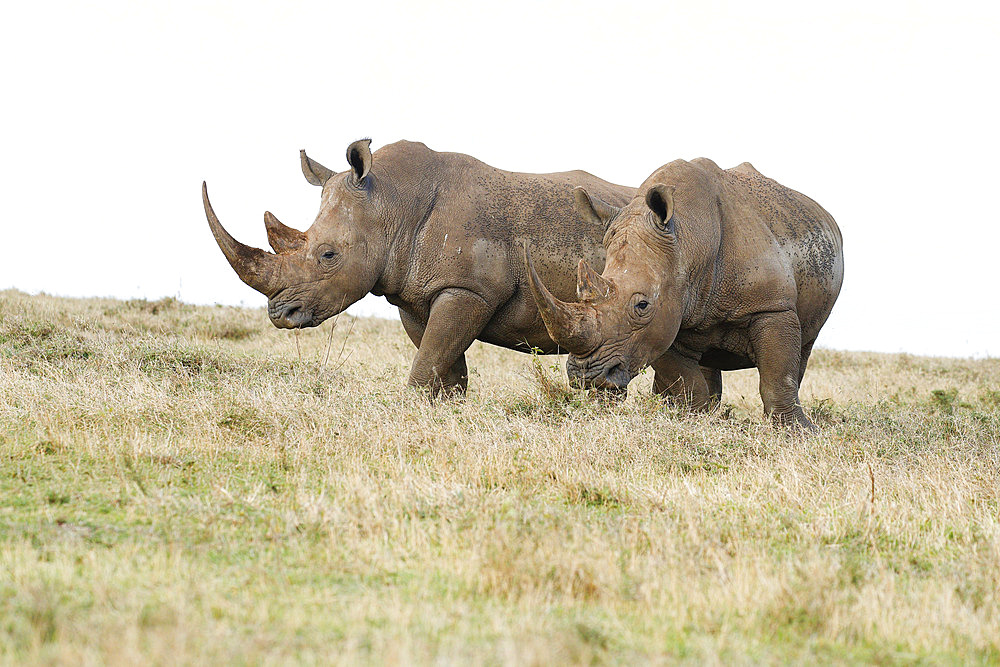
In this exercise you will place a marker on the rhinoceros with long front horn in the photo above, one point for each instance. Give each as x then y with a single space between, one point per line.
708 269
439 235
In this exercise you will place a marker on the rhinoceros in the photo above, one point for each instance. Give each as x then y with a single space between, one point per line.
708 269
439 235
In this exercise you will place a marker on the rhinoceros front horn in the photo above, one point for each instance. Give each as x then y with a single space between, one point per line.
258 269
571 325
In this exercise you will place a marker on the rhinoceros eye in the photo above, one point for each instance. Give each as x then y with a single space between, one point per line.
642 306
327 256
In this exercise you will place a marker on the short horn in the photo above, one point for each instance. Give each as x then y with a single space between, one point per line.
283 239
590 285
258 269
571 325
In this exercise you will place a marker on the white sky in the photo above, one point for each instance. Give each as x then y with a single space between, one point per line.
114 112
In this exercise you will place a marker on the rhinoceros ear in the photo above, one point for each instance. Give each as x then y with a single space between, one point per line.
359 156
592 209
660 200
314 172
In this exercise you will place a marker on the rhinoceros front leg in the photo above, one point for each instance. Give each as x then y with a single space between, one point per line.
457 316
713 378
776 340
683 380
456 380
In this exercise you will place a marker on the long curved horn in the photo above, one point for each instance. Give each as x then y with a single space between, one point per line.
258 269
590 285
571 325
282 237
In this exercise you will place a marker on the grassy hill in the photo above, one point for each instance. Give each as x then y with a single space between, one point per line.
189 484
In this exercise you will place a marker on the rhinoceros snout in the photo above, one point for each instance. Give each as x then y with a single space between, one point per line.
613 378
289 315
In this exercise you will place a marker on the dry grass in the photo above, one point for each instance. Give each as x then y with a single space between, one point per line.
180 485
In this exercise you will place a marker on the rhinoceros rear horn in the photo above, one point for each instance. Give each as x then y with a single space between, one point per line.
590 285
283 239
571 325
258 269
314 172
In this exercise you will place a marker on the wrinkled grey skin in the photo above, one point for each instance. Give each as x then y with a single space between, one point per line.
440 236
708 269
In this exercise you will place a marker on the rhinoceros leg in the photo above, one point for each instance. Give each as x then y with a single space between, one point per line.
412 326
682 380
776 340
804 359
456 380
713 378
457 316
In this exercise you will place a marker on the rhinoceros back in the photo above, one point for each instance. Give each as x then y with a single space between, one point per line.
806 233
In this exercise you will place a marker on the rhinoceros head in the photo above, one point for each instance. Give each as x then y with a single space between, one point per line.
314 275
629 315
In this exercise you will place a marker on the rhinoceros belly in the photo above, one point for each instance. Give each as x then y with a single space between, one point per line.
724 360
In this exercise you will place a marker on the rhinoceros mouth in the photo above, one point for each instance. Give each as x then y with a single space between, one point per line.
612 375
292 315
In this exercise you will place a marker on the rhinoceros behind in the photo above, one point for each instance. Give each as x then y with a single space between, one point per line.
439 235
707 270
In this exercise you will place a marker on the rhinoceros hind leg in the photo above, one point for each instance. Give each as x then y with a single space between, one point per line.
682 380
777 349
457 317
